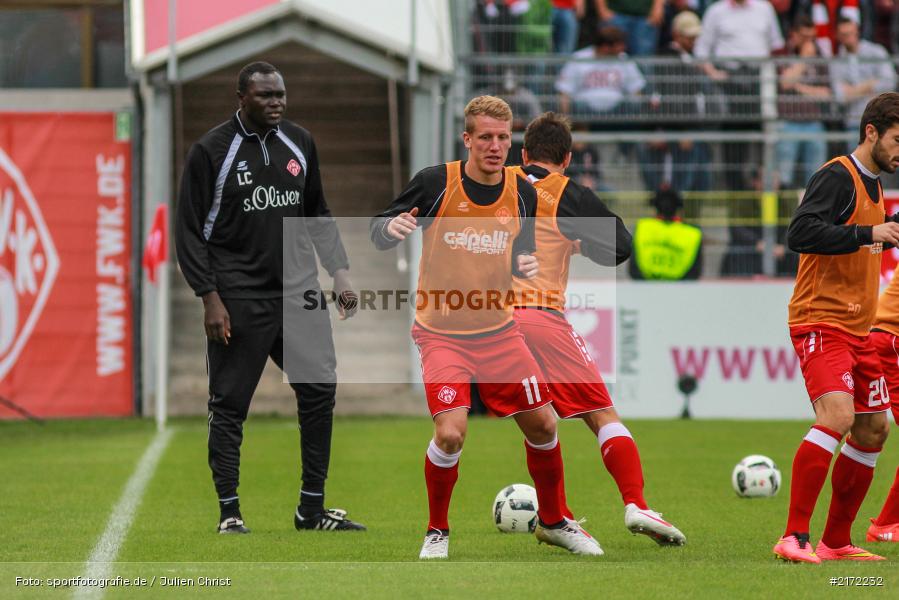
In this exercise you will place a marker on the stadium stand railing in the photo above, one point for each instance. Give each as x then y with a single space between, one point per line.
739 150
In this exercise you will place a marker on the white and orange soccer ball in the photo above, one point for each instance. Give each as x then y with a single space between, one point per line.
756 476
515 509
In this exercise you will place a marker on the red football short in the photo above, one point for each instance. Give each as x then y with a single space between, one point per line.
835 361
888 350
508 378
571 373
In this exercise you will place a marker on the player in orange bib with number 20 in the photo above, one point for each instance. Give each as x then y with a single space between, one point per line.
840 230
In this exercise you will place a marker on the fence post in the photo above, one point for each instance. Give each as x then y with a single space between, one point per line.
768 197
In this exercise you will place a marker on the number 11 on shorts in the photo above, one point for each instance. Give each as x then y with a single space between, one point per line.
532 389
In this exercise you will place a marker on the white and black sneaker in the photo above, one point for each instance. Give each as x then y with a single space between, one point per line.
436 545
651 524
232 525
569 535
332 519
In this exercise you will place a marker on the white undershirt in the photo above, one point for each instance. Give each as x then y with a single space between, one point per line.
862 168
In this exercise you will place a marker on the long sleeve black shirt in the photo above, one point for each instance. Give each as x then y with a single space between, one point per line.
426 191
819 224
578 215
236 189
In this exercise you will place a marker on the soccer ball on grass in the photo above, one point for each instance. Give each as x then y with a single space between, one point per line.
756 476
515 509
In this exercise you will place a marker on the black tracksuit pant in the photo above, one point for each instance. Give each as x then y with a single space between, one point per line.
257 333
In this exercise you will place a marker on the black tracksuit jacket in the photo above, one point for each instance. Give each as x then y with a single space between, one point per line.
236 190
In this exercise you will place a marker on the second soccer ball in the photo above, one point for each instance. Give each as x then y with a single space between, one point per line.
756 476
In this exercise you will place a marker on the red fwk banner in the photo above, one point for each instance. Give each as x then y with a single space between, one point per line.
65 303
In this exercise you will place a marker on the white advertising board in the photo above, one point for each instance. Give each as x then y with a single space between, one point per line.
732 336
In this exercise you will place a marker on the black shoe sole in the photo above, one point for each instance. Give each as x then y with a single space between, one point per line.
300 527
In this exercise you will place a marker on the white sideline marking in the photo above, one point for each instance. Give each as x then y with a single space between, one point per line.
100 562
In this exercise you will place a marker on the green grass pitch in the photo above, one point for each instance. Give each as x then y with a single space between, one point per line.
61 480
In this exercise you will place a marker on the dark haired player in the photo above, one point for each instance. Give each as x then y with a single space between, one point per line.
840 229
570 219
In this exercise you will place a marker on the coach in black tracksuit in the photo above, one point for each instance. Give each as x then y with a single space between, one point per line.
240 181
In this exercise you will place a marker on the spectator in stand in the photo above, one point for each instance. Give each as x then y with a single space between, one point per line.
738 29
495 30
825 16
584 165
589 25
534 30
664 247
524 103
803 104
590 90
565 17
733 29
786 11
496 24
535 38
639 19
863 72
684 94
672 9
886 24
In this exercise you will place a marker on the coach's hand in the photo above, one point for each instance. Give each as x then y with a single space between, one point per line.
347 300
217 321
527 265
887 232
403 224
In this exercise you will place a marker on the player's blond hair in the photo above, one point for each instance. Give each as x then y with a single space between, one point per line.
488 106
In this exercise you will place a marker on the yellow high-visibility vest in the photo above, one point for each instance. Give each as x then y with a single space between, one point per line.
665 249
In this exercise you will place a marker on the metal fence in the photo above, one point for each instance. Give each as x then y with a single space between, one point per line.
739 144
502 29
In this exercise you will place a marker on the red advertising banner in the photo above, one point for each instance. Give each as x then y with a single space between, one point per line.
65 247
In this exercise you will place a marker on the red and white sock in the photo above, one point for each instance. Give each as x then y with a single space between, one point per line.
545 467
810 466
441 473
889 514
851 478
622 460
